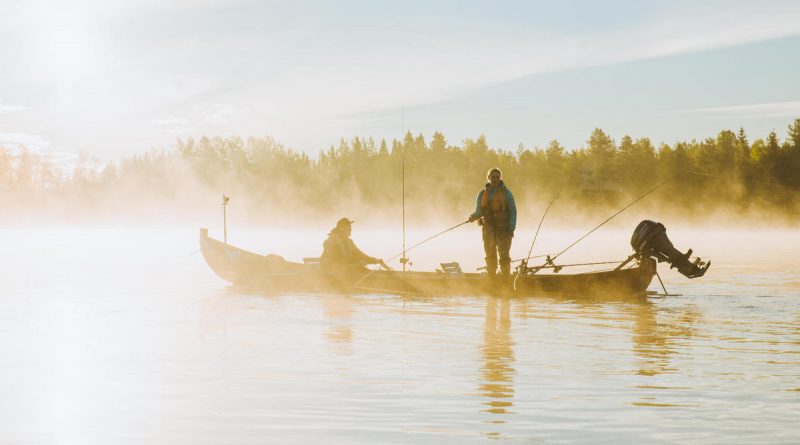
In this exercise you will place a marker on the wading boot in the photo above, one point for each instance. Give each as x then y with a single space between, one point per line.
491 267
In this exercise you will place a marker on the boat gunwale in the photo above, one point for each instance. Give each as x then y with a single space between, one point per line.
252 273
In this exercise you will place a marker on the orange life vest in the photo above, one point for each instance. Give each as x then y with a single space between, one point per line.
495 213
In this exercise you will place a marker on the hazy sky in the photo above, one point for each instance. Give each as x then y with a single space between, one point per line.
115 78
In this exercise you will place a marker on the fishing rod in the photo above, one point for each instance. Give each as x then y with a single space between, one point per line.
550 260
516 261
430 238
413 247
561 266
524 264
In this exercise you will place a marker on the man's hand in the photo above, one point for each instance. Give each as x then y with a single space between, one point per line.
472 218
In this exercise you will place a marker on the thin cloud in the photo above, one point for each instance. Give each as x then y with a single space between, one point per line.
170 121
254 67
174 125
33 142
751 111
222 114
675 32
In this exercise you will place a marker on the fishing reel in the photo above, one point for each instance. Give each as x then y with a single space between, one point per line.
523 268
650 239
406 261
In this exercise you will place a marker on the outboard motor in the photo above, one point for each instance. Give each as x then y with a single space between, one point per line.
649 239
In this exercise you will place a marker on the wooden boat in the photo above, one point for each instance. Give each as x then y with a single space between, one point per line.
274 274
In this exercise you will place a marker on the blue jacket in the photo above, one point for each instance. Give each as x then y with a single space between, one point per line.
512 208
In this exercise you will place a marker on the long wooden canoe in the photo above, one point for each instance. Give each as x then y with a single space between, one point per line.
274 274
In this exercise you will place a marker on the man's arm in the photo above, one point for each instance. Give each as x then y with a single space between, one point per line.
357 256
512 212
477 213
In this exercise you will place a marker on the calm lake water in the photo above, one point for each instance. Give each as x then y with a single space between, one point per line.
119 335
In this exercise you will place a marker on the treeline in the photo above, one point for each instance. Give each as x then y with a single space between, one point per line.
362 176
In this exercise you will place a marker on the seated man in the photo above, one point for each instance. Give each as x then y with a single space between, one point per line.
340 254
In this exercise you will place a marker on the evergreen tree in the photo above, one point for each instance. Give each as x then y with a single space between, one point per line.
743 159
440 178
794 134
599 171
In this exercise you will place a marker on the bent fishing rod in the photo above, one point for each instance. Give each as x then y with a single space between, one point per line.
524 263
550 260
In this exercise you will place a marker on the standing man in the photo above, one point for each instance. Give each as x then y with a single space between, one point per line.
497 213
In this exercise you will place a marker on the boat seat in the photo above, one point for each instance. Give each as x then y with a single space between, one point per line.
452 268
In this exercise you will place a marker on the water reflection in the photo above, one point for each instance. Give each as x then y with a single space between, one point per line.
658 334
338 309
497 371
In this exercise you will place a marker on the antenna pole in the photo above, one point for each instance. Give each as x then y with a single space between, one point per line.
403 260
225 200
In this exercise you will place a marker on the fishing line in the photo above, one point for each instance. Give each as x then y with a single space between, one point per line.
536 235
530 251
728 177
412 247
612 216
429 238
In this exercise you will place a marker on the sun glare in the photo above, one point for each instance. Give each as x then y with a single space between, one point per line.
67 44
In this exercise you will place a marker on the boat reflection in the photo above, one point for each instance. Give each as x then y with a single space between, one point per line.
338 310
650 331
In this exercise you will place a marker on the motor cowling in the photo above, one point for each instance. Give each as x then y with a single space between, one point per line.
650 239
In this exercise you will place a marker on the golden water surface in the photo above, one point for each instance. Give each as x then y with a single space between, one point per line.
119 335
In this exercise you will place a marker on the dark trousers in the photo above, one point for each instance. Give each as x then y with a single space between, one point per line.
497 243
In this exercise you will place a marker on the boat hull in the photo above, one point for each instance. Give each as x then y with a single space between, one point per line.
272 273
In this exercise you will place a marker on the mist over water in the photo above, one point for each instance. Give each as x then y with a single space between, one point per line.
124 335
126 127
